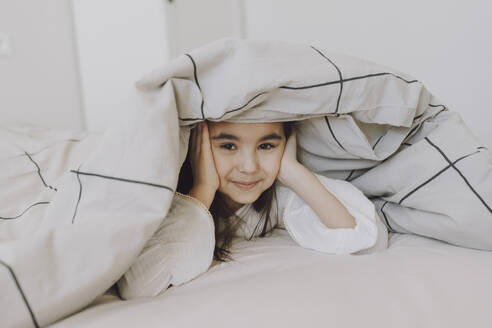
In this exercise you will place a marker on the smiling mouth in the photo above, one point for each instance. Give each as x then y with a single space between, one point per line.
246 186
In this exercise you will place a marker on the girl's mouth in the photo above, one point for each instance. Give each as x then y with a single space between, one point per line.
246 186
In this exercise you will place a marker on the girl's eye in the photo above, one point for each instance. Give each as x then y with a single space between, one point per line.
267 146
228 146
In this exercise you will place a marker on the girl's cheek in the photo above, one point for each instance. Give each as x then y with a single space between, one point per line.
224 166
273 162
278 156
217 161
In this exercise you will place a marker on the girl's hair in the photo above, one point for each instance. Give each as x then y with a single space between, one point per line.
225 220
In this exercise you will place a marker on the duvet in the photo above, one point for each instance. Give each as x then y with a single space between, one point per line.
76 209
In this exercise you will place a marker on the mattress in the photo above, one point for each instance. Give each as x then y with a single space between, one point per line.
416 282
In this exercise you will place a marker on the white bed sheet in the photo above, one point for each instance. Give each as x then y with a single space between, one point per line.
417 282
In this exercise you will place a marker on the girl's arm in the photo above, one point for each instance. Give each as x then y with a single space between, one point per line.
306 185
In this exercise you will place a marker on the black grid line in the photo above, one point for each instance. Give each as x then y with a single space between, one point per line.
459 172
434 176
418 126
311 86
333 134
197 83
39 172
341 81
374 146
350 175
122 179
21 292
386 219
80 196
350 179
306 87
424 183
78 173
339 75
18 216
409 134
439 105
225 113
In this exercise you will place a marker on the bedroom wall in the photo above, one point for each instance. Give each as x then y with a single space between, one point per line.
442 43
116 48
118 41
39 79
445 44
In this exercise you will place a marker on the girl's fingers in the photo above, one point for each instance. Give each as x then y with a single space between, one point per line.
290 140
293 134
195 146
206 147
192 139
290 150
199 134
197 139
205 135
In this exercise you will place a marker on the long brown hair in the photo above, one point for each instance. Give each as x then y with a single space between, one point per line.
225 220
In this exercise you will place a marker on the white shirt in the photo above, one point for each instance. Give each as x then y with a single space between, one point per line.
306 228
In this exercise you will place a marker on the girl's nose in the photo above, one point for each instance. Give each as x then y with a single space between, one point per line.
247 163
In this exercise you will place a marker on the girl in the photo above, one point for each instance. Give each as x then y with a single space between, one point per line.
243 180
248 175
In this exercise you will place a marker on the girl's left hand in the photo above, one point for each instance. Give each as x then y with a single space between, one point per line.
289 162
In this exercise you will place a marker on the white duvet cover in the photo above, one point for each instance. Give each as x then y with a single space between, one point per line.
71 224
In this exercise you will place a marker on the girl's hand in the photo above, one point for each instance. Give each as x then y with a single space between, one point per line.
289 163
205 178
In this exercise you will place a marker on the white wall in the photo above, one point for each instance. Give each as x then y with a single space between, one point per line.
118 41
193 23
444 44
121 40
39 80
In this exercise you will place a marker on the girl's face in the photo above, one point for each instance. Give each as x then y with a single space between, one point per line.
247 157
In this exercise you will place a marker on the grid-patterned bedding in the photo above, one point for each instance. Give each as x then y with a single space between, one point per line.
79 213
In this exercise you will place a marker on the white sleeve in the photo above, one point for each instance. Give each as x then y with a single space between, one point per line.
307 229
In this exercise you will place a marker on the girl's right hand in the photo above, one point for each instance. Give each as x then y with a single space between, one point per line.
205 178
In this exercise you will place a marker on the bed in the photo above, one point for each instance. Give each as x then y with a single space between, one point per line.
78 208
417 282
